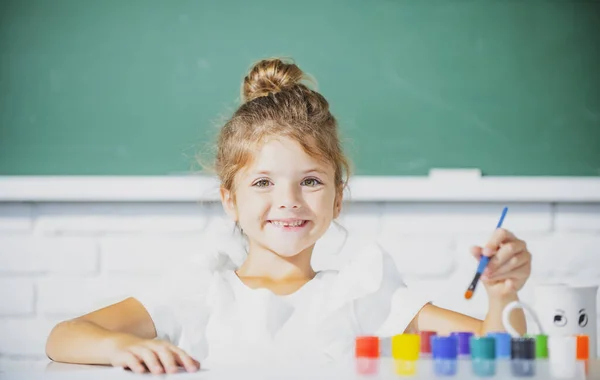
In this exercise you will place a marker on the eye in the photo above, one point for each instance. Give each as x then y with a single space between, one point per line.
311 182
560 319
583 319
262 183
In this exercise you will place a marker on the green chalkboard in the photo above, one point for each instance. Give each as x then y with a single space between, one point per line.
124 87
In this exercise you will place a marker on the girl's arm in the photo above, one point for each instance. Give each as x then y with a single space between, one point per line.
121 335
508 270
90 338
444 321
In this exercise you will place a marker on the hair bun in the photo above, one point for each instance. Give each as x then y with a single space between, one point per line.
270 76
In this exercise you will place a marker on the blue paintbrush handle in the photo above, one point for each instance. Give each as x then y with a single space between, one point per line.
484 259
482 264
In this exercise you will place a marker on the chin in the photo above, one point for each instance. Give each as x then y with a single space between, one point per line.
288 250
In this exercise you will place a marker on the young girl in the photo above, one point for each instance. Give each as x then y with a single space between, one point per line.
282 174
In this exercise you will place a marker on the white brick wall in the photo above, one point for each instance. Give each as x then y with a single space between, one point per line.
60 260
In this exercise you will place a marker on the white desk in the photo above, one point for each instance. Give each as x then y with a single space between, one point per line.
61 371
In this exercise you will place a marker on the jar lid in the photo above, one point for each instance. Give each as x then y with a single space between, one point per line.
406 346
522 348
502 344
444 347
483 347
463 338
426 341
583 347
367 347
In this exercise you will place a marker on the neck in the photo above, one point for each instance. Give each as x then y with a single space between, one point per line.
263 262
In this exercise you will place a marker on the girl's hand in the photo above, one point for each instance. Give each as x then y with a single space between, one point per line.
509 266
156 356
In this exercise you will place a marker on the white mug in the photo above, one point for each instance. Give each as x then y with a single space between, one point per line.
565 310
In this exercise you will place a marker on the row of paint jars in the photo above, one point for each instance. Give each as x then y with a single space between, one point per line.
462 353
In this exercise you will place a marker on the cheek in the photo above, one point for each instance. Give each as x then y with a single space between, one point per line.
251 208
323 205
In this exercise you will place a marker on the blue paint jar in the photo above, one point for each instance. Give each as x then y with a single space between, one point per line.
444 352
483 356
503 342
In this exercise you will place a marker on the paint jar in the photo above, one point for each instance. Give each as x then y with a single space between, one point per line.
483 356
542 366
424 365
541 346
463 343
502 340
445 352
464 350
583 352
563 356
405 351
367 355
425 352
522 362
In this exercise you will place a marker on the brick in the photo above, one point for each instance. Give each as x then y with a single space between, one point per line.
420 255
147 254
566 255
122 217
25 337
17 297
15 217
72 297
35 255
577 217
402 218
361 220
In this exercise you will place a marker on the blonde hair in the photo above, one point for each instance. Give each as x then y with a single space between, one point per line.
277 102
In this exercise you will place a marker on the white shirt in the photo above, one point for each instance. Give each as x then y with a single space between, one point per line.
206 310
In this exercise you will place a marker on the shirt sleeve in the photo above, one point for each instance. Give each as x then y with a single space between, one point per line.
388 310
178 299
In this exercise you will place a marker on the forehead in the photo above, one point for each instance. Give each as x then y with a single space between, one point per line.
285 155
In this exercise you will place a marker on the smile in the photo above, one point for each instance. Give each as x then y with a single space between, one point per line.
289 223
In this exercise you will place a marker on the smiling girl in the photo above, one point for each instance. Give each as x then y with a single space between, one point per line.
283 174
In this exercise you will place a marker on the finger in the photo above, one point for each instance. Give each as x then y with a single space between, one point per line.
519 273
149 358
166 357
506 252
477 252
132 362
190 364
498 237
511 264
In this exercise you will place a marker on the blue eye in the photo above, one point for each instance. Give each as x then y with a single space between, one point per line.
312 182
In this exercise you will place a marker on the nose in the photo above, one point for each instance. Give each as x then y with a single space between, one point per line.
288 196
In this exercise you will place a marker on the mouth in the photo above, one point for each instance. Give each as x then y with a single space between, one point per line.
289 224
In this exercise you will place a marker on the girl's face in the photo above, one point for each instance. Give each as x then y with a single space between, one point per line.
285 200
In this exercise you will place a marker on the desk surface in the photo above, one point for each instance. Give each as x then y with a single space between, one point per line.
52 370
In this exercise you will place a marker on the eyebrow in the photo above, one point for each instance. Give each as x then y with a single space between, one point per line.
581 310
314 170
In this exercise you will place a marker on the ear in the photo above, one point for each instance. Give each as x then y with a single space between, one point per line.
337 205
228 204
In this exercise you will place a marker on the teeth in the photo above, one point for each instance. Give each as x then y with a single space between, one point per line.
284 224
